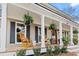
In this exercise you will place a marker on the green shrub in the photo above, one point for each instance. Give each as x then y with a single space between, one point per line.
65 41
21 52
36 51
75 41
49 51
63 49
56 50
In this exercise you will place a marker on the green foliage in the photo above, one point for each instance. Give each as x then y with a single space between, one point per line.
75 41
48 43
49 51
27 19
52 26
21 52
65 41
63 50
36 51
75 31
75 38
56 50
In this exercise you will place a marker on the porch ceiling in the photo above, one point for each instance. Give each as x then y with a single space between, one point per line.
66 27
49 21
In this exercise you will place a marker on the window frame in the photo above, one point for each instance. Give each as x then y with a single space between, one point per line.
16 32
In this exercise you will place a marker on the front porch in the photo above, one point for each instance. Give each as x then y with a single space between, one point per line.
38 32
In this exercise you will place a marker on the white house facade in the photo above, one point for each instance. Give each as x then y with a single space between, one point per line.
11 18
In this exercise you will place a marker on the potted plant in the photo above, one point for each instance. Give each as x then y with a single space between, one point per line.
27 19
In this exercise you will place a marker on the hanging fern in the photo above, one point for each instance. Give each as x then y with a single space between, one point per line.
27 19
52 26
75 31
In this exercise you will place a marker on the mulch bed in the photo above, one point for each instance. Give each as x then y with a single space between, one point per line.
63 54
68 54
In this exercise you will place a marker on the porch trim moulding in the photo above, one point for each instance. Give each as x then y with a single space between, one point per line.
18 20
70 22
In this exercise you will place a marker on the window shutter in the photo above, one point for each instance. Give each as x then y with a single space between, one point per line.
12 32
28 32
46 32
36 34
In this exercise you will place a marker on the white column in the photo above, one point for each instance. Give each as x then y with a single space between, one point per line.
3 28
42 32
71 35
60 33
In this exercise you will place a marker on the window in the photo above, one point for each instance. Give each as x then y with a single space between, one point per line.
19 28
0 28
38 34
0 10
0 19
15 29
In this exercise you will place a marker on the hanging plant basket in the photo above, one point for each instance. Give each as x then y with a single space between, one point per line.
75 41
75 31
27 19
52 27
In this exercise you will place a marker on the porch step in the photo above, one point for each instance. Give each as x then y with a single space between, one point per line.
13 53
73 48
30 52
7 53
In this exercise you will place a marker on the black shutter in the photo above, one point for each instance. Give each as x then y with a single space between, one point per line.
28 32
46 32
36 34
12 32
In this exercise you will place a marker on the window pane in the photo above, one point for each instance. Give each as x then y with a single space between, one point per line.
20 28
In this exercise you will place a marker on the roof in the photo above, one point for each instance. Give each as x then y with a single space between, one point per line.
56 11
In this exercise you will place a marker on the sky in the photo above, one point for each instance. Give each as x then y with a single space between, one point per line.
68 8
